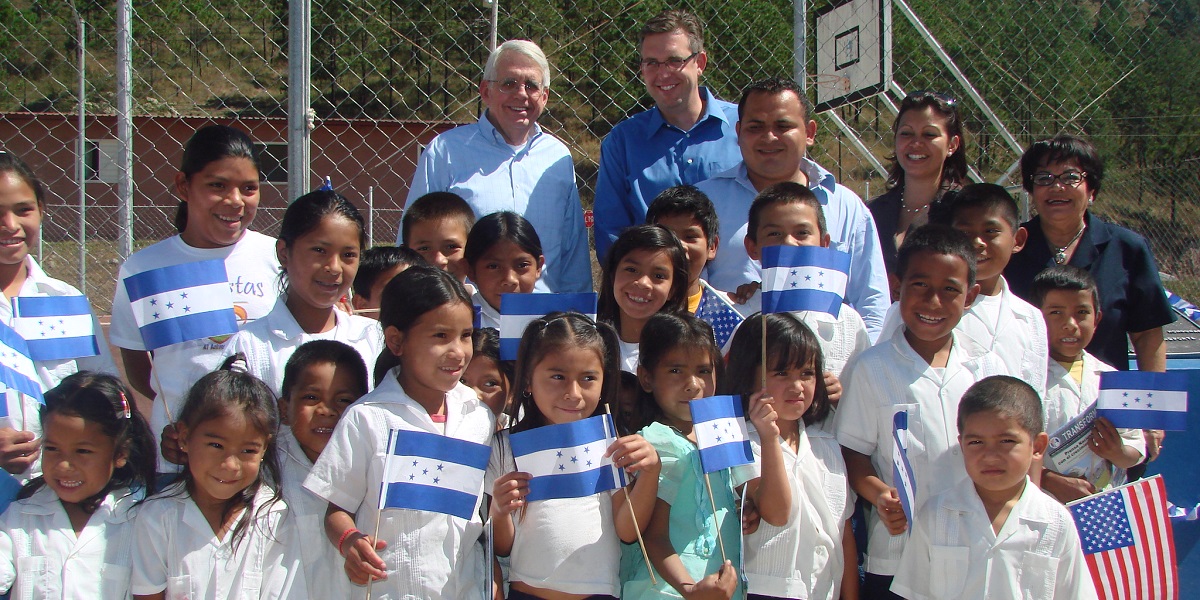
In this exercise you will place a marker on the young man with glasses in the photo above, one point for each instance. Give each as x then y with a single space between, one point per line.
686 138
506 162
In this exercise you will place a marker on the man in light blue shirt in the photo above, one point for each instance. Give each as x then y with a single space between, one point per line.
774 132
506 162
686 138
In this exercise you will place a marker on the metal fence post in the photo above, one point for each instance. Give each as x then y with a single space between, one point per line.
81 151
124 99
299 91
800 43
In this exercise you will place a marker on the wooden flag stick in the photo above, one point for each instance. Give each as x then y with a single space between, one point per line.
378 518
387 461
21 399
637 528
713 500
762 319
363 311
166 405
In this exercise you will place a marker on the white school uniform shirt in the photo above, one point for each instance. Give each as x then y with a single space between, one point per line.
430 556
269 342
803 559
1065 400
42 557
630 353
954 553
322 564
1006 326
177 552
890 376
253 270
569 545
488 316
841 337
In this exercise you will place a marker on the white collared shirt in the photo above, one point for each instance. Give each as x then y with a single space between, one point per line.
269 342
323 566
954 553
841 337
177 552
42 557
429 555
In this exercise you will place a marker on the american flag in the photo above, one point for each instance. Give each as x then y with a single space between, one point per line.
719 313
1127 541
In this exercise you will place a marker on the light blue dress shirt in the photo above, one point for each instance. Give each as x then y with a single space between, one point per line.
851 230
535 179
644 155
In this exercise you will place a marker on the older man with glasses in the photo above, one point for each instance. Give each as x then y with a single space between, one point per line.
506 162
686 138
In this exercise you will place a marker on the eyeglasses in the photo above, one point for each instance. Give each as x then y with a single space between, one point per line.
674 63
510 86
1069 179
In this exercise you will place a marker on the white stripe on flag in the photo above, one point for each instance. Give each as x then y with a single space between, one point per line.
445 474
566 461
51 328
181 302
779 279
1118 399
720 431
513 326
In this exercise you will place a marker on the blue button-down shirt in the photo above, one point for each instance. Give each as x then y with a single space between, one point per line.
645 155
851 230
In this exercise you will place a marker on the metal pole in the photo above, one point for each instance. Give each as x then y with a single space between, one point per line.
81 152
371 216
495 23
125 128
800 43
299 92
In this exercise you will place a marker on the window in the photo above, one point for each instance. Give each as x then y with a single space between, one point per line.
273 160
100 161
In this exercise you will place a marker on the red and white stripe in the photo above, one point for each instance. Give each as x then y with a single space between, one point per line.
1147 569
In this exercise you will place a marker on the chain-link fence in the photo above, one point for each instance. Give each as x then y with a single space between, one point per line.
389 75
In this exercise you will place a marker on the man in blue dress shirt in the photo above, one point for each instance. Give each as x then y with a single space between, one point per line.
686 138
506 162
774 132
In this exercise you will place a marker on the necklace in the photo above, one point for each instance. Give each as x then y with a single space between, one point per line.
1060 254
904 206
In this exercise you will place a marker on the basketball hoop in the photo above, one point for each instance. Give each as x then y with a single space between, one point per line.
831 85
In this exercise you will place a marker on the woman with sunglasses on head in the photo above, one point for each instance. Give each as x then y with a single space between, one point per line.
929 159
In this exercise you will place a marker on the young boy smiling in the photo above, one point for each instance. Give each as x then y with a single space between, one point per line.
995 535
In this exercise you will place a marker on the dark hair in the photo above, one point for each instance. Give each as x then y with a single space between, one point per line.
375 260
643 237
937 239
786 192
954 168
551 333
1008 396
790 344
662 334
1059 149
671 20
103 399
234 392
436 206
485 342
208 145
1065 278
319 352
407 297
985 196
11 163
775 86
686 200
503 225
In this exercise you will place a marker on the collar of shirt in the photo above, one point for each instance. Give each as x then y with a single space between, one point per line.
964 498
291 447
490 132
821 182
193 518
711 111
460 403
112 509
283 325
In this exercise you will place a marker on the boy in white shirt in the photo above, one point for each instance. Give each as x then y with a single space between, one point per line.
995 535
923 368
1070 304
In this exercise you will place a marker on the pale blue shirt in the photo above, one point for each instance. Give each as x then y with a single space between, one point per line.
535 179
851 230
644 155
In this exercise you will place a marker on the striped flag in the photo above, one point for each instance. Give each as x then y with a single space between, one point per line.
434 473
17 371
1128 543
903 477
718 312
567 460
721 435
181 303
1144 400
518 310
56 327
797 278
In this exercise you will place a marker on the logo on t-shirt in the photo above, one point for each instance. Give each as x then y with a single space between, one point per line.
242 318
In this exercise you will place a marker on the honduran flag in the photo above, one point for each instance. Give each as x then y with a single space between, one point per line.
1145 400
56 327
797 278
903 477
721 435
518 310
567 460
434 473
181 303
17 371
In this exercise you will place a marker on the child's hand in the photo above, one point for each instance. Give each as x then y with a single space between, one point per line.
750 516
718 586
18 450
1154 443
508 493
833 387
1105 442
891 511
1065 487
763 416
744 292
169 446
362 559
634 454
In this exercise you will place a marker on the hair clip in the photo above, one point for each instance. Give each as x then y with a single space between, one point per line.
125 406
236 363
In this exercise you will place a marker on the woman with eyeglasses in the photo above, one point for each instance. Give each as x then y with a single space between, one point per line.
929 159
